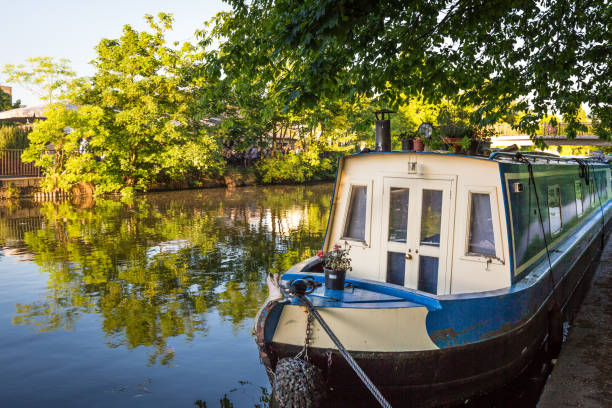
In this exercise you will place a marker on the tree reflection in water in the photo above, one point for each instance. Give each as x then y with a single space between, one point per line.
153 268
265 398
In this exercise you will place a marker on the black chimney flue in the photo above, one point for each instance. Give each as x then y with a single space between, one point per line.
383 130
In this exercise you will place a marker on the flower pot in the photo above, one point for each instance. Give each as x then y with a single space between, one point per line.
334 279
407 144
418 145
455 142
474 147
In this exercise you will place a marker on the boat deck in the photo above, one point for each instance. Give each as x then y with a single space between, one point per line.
364 293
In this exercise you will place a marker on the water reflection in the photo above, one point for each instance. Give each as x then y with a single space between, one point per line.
153 268
265 399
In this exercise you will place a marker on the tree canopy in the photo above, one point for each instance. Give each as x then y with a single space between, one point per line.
274 73
43 76
148 94
498 55
138 118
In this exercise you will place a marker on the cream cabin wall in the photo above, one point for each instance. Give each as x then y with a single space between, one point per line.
463 273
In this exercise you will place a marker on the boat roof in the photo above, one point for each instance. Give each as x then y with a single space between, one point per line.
508 157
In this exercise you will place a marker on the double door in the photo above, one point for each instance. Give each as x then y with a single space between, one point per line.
415 232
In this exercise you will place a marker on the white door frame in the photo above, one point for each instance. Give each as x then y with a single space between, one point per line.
413 248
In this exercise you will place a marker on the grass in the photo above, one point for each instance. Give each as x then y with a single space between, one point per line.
13 137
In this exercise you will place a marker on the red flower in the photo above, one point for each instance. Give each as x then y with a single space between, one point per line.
320 254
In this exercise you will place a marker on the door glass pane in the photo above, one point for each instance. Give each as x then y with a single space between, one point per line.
554 208
431 217
481 226
396 266
398 214
356 218
428 274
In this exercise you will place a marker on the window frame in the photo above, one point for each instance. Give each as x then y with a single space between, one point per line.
548 207
498 259
584 207
366 242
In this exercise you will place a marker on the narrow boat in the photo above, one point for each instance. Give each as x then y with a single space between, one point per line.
463 268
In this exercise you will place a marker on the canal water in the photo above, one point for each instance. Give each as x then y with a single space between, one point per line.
149 302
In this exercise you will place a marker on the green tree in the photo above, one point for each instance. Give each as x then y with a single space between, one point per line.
43 76
496 55
148 93
139 118
58 145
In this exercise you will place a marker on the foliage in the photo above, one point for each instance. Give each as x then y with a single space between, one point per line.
139 115
57 146
43 76
411 114
258 113
10 192
337 259
496 55
149 108
296 168
13 137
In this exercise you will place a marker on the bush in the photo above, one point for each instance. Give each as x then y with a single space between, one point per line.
13 137
296 168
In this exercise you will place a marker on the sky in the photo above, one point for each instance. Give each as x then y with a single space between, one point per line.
72 28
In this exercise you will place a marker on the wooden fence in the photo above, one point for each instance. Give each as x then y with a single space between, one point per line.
11 164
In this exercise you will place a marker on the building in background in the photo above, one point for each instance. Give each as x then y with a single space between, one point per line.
7 90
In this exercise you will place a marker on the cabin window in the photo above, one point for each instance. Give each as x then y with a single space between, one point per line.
431 217
481 238
356 218
554 208
398 214
579 197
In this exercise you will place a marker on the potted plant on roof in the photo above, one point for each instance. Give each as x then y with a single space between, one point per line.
480 140
335 265
417 142
407 141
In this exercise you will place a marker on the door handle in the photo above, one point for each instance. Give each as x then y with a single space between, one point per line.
408 256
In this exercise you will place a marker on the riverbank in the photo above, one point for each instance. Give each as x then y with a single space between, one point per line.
28 187
582 376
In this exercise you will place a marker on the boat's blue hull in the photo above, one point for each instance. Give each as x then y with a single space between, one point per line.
484 339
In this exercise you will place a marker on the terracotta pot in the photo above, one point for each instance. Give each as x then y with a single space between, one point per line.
418 145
